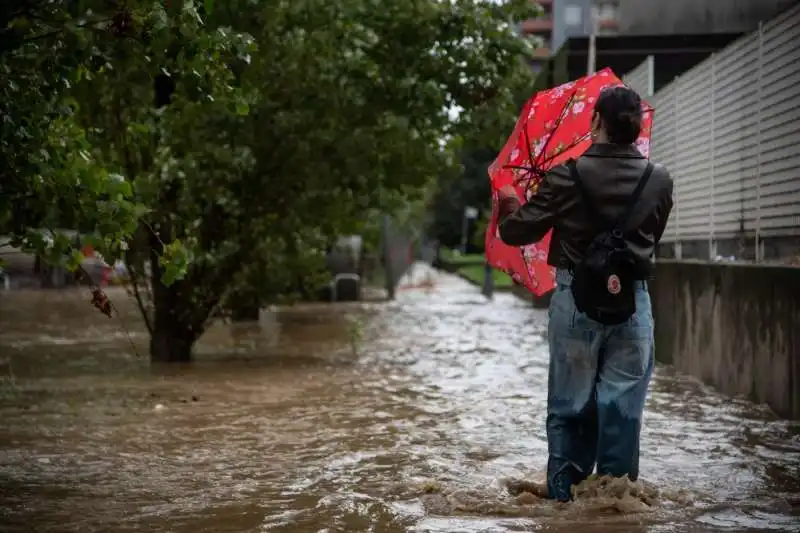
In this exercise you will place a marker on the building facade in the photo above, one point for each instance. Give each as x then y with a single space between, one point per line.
540 30
563 19
662 17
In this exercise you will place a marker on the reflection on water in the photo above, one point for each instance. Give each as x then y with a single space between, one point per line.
433 422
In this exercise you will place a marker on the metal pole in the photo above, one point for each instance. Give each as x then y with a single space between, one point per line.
464 229
387 259
651 75
488 281
675 135
470 213
592 60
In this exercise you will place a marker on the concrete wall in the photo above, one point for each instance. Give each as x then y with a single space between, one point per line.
735 326
664 17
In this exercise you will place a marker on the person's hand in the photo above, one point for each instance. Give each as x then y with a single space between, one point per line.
507 191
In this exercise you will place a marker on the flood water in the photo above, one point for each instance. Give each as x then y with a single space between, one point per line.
409 416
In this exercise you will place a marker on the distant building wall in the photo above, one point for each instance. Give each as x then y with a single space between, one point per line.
571 18
664 17
575 18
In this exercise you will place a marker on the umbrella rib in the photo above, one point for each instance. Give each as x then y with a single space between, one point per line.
571 146
528 148
555 126
536 166
533 168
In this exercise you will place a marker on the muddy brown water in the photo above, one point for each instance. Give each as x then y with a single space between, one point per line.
410 416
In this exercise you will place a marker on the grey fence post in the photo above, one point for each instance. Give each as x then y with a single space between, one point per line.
759 141
388 267
712 141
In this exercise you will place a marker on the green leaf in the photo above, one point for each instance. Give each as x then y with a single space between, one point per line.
242 108
175 261
118 185
75 259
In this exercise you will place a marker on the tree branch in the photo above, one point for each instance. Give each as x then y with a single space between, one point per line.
13 44
137 295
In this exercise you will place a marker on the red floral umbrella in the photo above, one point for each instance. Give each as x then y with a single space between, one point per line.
554 126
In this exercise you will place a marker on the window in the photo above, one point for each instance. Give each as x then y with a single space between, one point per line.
607 12
573 15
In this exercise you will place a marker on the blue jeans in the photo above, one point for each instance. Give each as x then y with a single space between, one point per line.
597 384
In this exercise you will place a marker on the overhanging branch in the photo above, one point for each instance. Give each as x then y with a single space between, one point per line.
135 279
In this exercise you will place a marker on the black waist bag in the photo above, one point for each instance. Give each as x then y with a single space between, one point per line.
604 283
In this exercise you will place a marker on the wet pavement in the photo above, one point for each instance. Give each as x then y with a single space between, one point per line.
410 416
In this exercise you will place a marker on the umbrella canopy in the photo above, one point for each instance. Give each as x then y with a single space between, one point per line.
554 126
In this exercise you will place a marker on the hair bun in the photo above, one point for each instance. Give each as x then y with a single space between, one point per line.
620 110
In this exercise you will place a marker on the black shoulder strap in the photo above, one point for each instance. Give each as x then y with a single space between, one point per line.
587 201
634 198
637 193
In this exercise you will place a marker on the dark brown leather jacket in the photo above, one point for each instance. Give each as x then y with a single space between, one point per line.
609 173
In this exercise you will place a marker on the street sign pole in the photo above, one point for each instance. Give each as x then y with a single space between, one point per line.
488 281
470 213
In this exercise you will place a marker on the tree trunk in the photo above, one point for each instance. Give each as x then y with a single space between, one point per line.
167 345
245 313
174 330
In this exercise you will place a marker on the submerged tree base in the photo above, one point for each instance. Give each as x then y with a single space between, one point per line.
170 348
245 313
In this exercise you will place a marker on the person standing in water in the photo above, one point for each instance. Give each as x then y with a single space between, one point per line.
600 362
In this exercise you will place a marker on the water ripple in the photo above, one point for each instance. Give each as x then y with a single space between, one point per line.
282 426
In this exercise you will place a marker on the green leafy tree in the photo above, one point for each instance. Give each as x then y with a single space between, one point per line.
467 185
231 141
51 176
